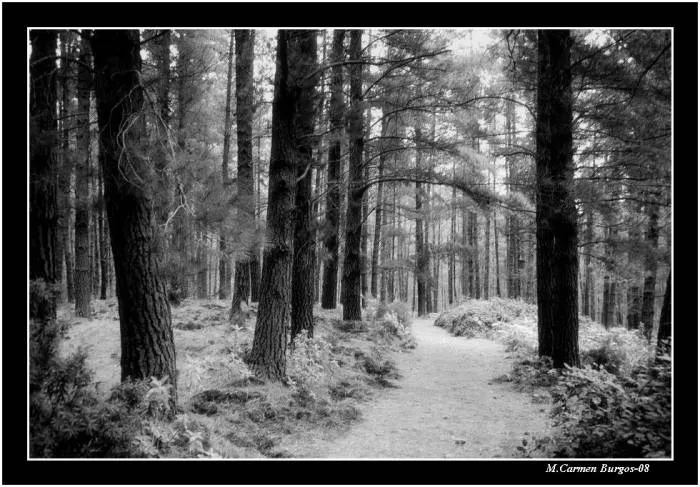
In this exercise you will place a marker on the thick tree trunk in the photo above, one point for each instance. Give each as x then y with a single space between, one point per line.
246 186
147 347
557 265
352 310
330 271
43 197
267 357
302 55
82 180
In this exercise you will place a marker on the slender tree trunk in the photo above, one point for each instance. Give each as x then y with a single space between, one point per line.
588 288
302 55
352 310
82 180
224 272
378 215
246 189
147 347
650 267
63 249
663 344
330 271
496 255
487 254
557 266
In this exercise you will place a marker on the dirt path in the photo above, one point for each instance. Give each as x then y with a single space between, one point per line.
446 406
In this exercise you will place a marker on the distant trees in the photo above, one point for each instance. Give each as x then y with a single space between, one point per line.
147 348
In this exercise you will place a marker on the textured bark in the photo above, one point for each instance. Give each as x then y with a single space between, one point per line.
663 344
104 249
147 348
267 356
302 55
43 224
352 265
246 185
224 267
82 180
487 254
588 286
557 251
650 267
377 229
64 252
464 276
422 264
330 271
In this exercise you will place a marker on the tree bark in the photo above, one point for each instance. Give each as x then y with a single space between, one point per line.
302 55
246 186
330 271
63 249
663 344
147 347
557 251
352 306
224 267
82 180
43 197
650 267
267 357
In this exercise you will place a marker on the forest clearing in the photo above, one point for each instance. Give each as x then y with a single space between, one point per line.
361 243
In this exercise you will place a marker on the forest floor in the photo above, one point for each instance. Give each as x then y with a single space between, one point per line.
447 405
443 399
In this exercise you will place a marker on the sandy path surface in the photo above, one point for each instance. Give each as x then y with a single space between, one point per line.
446 406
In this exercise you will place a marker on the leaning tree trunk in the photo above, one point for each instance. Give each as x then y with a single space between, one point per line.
330 271
352 296
147 347
557 252
43 197
302 55
82 179
246 185
267 356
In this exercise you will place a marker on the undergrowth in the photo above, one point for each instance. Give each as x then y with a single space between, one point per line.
618 404
224 411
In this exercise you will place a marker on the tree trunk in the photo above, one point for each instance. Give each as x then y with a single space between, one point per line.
246 189
557 266
663 341
650 266
224 267
495 253
330 271
43 197
82 180
352 310
588 287
302 55
63 248
147 347
267 357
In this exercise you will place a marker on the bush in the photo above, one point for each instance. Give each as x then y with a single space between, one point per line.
597 414
402 311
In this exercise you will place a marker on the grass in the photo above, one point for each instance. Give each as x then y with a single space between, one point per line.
225 412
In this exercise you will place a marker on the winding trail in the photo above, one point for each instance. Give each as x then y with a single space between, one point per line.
446 406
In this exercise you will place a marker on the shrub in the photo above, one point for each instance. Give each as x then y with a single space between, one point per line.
597 414
308 359
402 311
